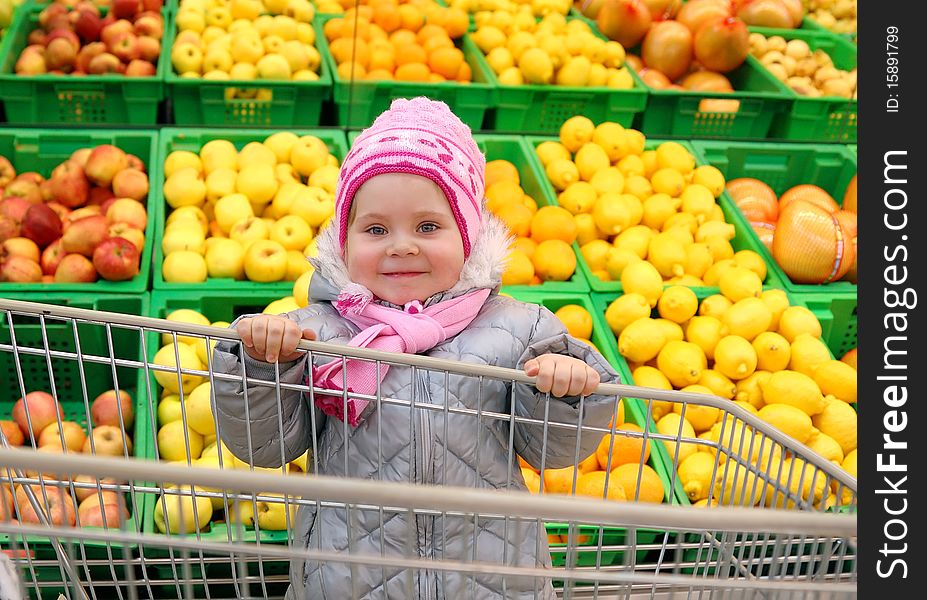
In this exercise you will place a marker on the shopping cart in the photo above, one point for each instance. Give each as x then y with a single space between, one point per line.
781 522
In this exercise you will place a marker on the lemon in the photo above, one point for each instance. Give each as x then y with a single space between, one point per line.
808 353
586 231
751 260
718 383
680 233
611 214
553 223
590 159
641 340
848 465
550 150
826 446
595 253
712 276
672 424
631 165
738 438
638 186
777 301
578 197
838 420
576 131
705 332
737 283
658 208
695 475
678 304
838 379
735 357
634 207
698 259
686 280
650 162
167 356
667 254
714 306
671 330
713 228
668 181
789 420
750 389
489 37
798 477
748 318
626 309
697 200
798 319
710 177
184 315
609 179
643 278
520 43
720 247
772 351
673 155
608 136
651 377
616 261
701 417
500 58
681 362
562 172
635 239
554 260
734 485
794 388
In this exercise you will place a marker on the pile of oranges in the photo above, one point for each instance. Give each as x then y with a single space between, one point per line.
403 41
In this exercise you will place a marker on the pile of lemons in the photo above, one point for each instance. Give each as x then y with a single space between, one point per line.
521 50
755 349
537 8
633 205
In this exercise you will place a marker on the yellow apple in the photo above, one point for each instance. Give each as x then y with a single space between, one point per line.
305 33
243 71
184 188
225 258
312 249
311 205
302 462
169 409
265 261
301 10
172 442
325 177
231 209
281 306
295 53
220 183
308 154
264 23
199 412
167 356
191 19
241 512
281 143
301 288
247 47
218 16
185 235
179 159
273 44
276 515
188 37
211 34
296 265
209 440
292 232
184 266
257 181
182 514
211 462
283 199
187 58
305 75
273 66
256 153
250 228
246 9
217 59
189 213
217 154
184 315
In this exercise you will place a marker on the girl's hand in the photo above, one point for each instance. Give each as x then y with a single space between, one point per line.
562 375
272 338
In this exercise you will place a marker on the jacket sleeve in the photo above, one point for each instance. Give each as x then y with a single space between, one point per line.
255 411
560 443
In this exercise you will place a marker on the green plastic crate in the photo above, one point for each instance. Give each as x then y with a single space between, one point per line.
66 99
357 104
42 150
274 103
828 119
838 316
743 238
782 166
69 389
193 140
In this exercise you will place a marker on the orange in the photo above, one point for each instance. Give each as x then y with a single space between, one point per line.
553 223
402 36
429 30
553 538
517 218
588 464
358 27
455 22
593 484
382 57
465 74
437 41
524 463
651 487
499 170
332 28
530 202
346 49
436 78
412 18
410 53
501 193
379 75
413 71
525 245
387 17
351 70
532 480
558 481
446 62
377 33
624 449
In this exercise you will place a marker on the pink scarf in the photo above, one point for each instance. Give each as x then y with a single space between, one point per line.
411 330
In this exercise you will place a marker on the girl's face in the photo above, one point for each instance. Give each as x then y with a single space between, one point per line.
403 243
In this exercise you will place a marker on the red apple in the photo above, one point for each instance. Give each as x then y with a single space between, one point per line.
51 11
73 433
140 68
36 37
116 259
149 48
99 195
127 231
20 246
14 208
125 9
17 269
82 493
6 504
135 163
81 154
104 63
25 187
105 409
60 209
86 5
110 31
106 509
68 184
107 440
78 214
152 5
55 502
41 225
75 268
51 257
127 210
60 54
84 57
104 162
62 33
124 46
12 432
8 228
88 26
7 171
83 235
35 411
151 25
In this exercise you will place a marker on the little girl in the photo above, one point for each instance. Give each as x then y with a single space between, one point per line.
412 262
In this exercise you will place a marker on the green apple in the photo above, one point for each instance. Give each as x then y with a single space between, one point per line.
169 409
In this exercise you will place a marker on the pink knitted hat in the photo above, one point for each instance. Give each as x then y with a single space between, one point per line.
421 137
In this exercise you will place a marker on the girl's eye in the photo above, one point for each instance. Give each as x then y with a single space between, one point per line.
428 227
376 230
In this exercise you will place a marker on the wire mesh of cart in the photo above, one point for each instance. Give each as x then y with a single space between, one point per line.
128 505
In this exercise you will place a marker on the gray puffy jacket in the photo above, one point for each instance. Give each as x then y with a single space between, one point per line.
419 446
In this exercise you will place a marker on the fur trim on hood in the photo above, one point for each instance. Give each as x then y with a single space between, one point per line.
482 269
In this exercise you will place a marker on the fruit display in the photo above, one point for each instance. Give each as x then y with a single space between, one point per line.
752 347
386 40
805 71
39 421
554 50
535 8
6 14
838 16
629 205
86 221
246 212
80 39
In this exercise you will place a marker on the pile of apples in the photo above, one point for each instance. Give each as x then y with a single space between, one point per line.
245 40
807 73
249 214
39 420
87 220
187 435
76 39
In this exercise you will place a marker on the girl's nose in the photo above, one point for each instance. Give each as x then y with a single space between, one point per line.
403 246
